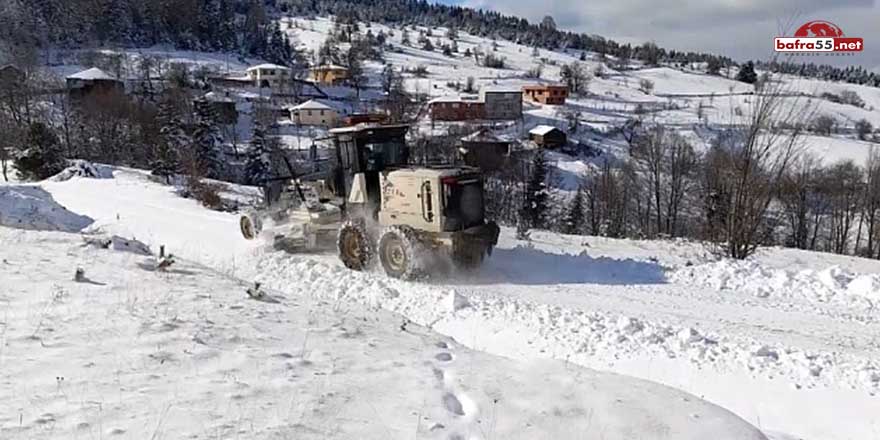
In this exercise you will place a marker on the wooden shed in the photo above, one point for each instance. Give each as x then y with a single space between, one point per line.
548 137
93 82
485 150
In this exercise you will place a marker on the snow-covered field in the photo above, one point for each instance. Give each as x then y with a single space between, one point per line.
132 351
788 340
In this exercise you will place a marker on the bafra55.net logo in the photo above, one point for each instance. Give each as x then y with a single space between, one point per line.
818 36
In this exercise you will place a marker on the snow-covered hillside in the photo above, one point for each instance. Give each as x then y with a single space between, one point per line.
750 339
695 103
129 350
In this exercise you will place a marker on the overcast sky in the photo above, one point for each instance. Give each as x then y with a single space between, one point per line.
741 29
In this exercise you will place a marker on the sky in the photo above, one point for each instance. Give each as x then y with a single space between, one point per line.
741 29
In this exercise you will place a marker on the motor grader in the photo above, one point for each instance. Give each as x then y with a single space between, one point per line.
376 206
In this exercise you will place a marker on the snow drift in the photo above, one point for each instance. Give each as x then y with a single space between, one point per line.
831 284
32 207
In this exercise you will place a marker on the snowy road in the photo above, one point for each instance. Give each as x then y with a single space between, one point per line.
777 353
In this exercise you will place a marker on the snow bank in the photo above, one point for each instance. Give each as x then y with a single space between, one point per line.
81 168
31 207
831 284
517 328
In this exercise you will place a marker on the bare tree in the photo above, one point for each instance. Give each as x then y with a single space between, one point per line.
802 202
842 185
751 164
575 76
823 125
607 191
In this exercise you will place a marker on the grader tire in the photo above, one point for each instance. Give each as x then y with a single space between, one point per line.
250 225
354 245
401 253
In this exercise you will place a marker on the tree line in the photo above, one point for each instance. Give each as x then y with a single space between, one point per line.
490 24
754 186
240 26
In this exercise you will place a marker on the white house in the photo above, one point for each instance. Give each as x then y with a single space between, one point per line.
269 75
314 112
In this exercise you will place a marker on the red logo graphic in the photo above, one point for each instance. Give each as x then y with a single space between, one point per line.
818 36
819 28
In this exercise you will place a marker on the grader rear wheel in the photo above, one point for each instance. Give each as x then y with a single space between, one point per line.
354 245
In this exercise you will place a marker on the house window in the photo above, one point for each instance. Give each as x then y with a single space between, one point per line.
308 112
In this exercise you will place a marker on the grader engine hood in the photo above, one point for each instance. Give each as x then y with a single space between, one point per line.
434 200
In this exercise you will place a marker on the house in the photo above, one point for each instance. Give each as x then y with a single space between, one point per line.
222 105
457 108
502 103
11 75
328 74
548 137
485 150
549 94
269 75
92 83
314 112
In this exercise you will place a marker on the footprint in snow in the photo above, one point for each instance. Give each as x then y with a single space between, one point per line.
443 357
452 404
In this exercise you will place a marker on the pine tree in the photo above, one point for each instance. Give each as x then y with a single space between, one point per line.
329 53
207 25
119 21
173 139
574 218
427 45
747 73
40 156
278 49
258 168
534 208
206 140
255 38
227 38
713 66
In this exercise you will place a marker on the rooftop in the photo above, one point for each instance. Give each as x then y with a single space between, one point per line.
329 67
455 98
217 97
92 74
543 86
267 66
312 105
501 89
485 135
542 130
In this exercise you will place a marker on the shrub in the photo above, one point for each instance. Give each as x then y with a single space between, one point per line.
823 125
